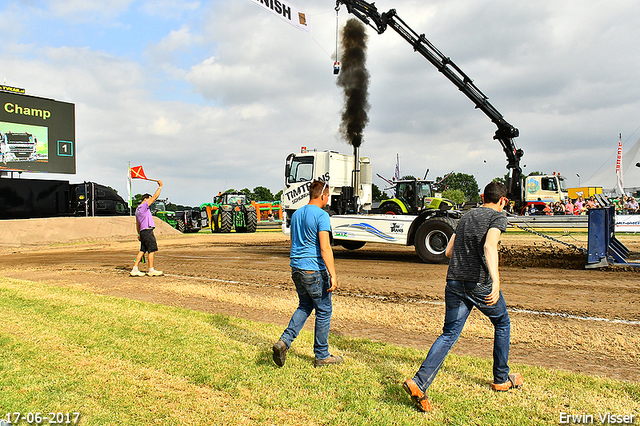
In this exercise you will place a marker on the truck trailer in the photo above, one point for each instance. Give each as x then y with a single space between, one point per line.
38 198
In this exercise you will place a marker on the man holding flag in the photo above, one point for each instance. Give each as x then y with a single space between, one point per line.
145 226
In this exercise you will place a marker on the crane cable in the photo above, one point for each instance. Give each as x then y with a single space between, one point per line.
337 32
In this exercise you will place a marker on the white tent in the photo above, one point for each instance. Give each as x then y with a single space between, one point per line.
631 173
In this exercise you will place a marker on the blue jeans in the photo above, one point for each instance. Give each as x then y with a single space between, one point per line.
460 298
312 294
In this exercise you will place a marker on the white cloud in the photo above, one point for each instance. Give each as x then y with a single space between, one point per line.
86 10
169 8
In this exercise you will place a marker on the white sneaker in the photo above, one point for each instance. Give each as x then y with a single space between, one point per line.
137 273
154 273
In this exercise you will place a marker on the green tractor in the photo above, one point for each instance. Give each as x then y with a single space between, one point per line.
413 196
188 220
232 210
159 210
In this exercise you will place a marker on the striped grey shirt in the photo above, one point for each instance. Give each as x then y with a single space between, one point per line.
467 260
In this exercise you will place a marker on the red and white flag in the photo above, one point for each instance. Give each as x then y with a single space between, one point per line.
396 174
137 173
619 180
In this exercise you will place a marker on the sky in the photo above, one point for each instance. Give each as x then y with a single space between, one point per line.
212 95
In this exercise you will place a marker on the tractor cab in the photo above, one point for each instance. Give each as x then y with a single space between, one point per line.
412 196
158 206
232 198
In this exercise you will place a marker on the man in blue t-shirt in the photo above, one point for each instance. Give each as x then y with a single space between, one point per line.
473 280
314 274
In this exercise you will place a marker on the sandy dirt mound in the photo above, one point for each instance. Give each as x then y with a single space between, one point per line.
63 230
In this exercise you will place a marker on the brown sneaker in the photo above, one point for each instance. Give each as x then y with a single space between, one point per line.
331 359
417 396
515 381
279 353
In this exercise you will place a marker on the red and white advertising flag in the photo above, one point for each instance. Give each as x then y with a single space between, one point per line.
619 180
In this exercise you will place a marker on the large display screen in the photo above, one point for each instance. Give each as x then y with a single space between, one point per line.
37 134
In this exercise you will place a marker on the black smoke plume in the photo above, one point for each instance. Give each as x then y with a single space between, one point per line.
354 80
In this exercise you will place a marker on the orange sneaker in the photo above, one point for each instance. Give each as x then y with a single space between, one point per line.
515 381
417 396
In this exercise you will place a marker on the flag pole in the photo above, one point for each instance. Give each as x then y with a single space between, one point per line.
129 188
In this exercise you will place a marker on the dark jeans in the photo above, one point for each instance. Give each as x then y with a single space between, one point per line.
460 299
312 294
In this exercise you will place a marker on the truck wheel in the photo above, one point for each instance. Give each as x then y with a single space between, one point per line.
226 221
251 219
432 238
180 226
391 208
351 245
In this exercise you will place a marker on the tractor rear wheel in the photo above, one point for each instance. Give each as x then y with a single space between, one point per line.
226 221
180 225
251 220
391 208
432 238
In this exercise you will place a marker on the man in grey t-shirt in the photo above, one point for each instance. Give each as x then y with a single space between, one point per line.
473 280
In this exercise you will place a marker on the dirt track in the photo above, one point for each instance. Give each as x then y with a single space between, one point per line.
384 293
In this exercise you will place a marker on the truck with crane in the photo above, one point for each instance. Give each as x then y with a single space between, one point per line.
430 230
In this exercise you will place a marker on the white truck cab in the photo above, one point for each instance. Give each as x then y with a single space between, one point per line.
329 166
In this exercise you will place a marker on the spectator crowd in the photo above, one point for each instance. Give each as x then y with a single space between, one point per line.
579 206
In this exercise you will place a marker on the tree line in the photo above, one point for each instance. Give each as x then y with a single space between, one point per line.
458 187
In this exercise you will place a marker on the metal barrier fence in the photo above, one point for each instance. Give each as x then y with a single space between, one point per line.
550 222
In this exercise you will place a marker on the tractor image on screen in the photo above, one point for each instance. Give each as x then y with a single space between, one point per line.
232 210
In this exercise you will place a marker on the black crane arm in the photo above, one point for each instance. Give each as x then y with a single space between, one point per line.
368 13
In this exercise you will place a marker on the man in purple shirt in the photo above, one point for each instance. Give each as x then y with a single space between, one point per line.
144 226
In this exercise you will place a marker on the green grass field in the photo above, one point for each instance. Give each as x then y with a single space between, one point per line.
118 361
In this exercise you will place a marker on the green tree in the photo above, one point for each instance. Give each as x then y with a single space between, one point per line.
466 183
408 177
502 180
262 194
376 193
455 195
178 207
278 196
135 201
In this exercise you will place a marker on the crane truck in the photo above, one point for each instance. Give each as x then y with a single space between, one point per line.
431 229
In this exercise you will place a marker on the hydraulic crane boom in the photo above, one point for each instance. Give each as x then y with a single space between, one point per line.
505 134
